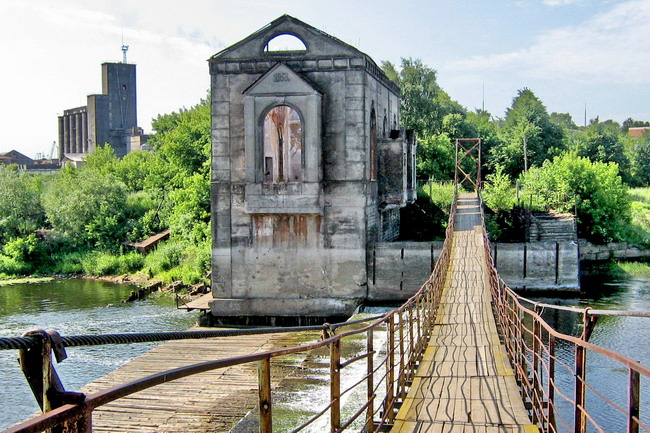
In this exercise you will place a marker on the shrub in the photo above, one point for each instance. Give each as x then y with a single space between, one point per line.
10 267
99 264
598 193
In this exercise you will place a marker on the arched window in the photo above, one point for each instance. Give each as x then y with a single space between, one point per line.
285 42
282 145
373 142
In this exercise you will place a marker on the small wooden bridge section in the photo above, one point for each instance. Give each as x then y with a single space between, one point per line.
464 382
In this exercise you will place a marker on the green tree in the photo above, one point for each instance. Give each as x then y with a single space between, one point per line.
528 124
564 120
596 188
631 123
641 161
601 142
21 211
88 208
183 141
102 159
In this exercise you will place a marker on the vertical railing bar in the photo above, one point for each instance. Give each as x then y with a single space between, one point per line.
264 383
370 382
579 415
402 371
390 366
633 402
335 385
551 382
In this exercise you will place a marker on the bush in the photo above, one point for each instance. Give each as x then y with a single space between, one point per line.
166 256
10 267
499 194
598 193
99 264
441 194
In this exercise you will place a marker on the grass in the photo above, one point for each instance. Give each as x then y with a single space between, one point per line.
440 193
639 230
635 269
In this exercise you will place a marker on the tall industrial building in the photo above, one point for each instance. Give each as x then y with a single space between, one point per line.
110 117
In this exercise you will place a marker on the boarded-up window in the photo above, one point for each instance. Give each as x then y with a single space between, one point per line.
282 145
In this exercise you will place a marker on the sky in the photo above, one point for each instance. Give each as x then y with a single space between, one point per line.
571 53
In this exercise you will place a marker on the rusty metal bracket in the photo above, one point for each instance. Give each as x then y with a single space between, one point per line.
36 364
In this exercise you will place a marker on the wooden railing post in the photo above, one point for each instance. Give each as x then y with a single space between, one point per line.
370 412
264 383
335 385
633 402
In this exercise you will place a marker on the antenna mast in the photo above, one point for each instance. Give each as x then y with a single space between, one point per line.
125 48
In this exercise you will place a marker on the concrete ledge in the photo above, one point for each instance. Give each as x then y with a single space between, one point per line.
296 307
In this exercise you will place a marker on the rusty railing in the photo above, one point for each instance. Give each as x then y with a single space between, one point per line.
557 389
388 375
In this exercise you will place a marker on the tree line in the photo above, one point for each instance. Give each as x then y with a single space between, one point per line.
547 156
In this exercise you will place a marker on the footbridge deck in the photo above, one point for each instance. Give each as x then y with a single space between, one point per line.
464 381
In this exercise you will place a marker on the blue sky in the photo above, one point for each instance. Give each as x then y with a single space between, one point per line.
569 52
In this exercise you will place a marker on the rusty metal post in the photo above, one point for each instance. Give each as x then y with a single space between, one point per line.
402 372
633 402
370 383
264 383
551 383
580 419
537 385
390 373
335 385
411 345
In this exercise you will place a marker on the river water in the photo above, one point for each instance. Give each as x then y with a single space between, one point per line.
75 307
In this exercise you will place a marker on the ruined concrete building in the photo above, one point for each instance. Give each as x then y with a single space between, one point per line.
110 117
309 168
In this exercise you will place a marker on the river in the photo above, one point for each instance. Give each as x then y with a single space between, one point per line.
75 307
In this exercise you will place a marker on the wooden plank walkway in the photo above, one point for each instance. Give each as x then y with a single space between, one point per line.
464 382
211 401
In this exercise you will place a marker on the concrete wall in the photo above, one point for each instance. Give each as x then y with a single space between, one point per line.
396 270
611 251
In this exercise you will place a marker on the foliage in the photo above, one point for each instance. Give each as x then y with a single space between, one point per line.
423 220
601 142
436 157
99 263
21 211
179 260
601 198
87 207
499 194
527 123
641 161
564 120
631 123
441 194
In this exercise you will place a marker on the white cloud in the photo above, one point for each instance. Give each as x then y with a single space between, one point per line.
554 3
612 46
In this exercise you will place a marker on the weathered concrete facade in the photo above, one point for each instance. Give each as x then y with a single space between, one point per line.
109 117
305 174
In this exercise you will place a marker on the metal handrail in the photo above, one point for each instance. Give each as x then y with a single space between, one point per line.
531 346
